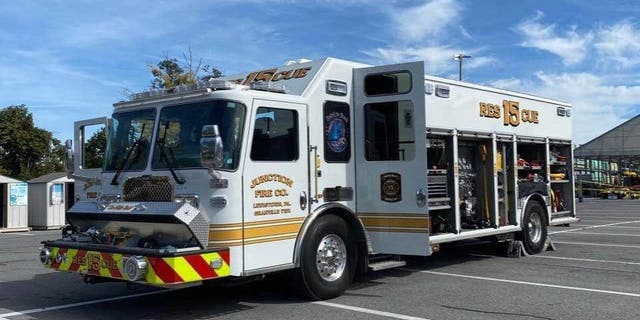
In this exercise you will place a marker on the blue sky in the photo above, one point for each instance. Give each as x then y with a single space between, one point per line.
70 60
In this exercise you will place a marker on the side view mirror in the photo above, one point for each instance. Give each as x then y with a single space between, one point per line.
211 147
68 161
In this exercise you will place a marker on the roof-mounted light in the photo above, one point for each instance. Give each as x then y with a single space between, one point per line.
211 84
268 86
217 84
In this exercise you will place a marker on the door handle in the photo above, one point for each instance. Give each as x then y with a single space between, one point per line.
421 197
303 200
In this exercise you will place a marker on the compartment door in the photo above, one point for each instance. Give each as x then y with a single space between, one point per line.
89 147
390 141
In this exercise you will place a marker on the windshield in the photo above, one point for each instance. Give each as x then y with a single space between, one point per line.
129 140
178 143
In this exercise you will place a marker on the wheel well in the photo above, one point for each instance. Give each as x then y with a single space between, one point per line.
355 228
539 199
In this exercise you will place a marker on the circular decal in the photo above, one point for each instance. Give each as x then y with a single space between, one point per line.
336 134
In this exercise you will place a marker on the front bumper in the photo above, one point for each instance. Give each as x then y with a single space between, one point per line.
156 267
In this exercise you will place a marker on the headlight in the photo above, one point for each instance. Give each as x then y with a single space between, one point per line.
192 199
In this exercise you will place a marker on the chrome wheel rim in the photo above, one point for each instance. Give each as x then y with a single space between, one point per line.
331 257
535 227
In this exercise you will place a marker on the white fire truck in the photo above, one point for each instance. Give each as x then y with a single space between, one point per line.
327 168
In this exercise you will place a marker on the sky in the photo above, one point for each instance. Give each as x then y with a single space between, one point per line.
71 60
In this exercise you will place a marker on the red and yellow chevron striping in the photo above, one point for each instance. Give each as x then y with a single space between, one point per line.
160 270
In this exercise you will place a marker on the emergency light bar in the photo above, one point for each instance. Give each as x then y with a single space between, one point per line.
213 84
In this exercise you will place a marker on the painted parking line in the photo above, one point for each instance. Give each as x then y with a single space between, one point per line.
587 260
597 226
535 284
566 258
617 227
598 244
368 311
4 316
80 304
606 234
607 216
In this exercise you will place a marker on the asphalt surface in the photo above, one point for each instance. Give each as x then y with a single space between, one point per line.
594 274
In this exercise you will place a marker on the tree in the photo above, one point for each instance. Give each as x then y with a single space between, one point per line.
26 151
94 149
168 73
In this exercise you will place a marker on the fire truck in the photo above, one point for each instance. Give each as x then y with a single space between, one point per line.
326 168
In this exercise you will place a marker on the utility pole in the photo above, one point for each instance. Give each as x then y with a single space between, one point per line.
460 57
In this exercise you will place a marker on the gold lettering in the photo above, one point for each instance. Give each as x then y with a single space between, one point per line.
300 73
281 193
271 177
511 113
249 78
483 109
263 194
265 75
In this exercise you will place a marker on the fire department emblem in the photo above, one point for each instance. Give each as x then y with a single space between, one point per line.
390 187
336 132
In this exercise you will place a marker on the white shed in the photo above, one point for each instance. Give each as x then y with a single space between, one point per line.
50 196
13 205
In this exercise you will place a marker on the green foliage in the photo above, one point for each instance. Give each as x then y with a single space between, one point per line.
94 149
26 151
168 73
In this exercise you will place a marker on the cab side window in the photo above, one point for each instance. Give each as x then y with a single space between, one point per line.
275 135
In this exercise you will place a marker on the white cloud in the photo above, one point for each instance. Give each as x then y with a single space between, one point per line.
620 44
426 21
514 84
465 33
598 106
422 33
56 92
437 59
570 46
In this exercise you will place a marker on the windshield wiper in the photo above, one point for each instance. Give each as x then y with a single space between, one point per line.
163 156
135 144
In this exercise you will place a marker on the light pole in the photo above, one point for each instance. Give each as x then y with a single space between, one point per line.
460 57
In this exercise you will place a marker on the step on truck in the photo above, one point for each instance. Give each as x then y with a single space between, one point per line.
327 168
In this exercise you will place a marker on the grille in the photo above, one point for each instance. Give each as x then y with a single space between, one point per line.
148 188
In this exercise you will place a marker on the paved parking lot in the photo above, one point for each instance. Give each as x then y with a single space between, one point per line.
595 274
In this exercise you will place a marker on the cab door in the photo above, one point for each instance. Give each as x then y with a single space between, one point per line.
275 183
90 143
391 157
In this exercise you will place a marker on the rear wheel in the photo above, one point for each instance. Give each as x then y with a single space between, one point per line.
327 259
534 228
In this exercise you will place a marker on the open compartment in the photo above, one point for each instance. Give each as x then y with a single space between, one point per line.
531 162
440 183
505 173
561 179
476 183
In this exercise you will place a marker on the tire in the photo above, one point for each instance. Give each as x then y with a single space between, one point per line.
534 228
326 270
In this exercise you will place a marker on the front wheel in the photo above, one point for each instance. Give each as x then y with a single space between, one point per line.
327 259
534 228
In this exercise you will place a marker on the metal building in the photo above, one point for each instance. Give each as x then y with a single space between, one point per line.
612 159
50 197
13 205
